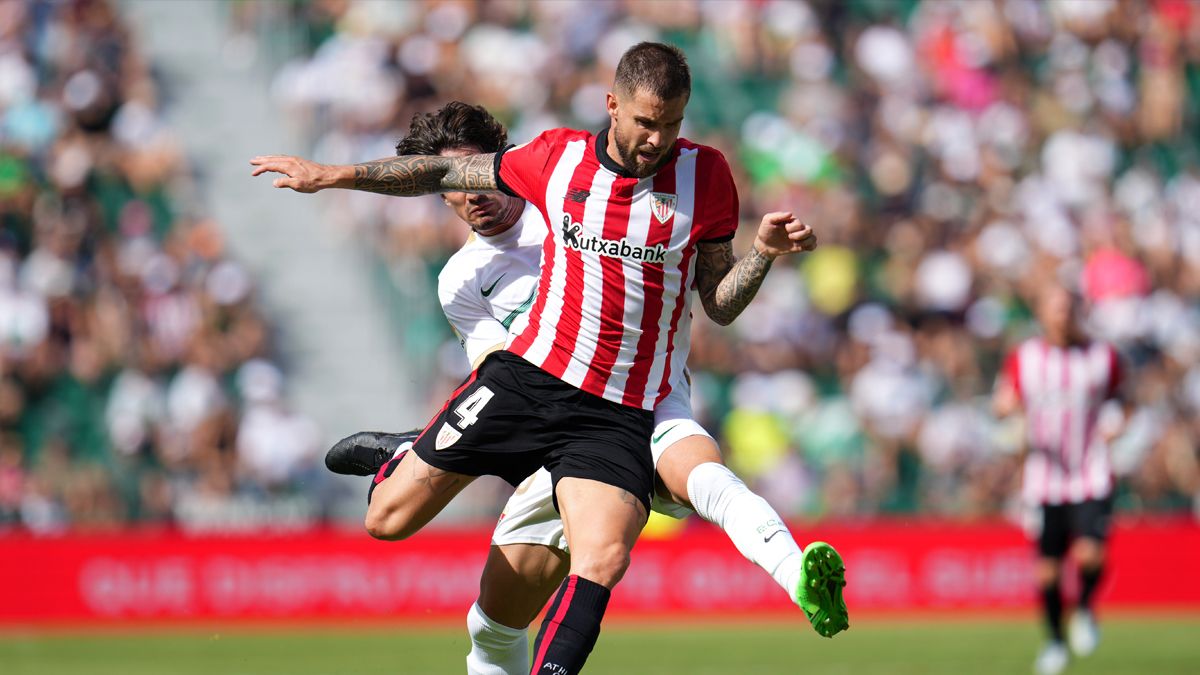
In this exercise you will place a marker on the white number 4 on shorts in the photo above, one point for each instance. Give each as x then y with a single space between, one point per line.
468 411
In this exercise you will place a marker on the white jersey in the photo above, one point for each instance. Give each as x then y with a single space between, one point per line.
489 284
486 290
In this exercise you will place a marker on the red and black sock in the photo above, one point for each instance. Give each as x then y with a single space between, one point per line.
570 628
1089 580
1052 607
386 470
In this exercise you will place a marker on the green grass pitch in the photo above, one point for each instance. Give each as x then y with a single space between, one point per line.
1130 644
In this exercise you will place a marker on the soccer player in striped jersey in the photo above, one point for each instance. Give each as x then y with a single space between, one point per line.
636 216
1061 381
485 290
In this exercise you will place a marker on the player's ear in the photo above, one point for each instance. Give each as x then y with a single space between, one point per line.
613 103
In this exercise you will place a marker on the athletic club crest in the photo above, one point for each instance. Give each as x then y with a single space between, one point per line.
447 436
663 205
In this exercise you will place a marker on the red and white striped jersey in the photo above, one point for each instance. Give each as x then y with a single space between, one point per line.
618 259
1062 390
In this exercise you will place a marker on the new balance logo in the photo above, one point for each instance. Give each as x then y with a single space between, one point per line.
578 195
614 248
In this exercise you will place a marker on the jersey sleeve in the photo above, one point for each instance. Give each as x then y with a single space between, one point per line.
720 211
523 170
469 316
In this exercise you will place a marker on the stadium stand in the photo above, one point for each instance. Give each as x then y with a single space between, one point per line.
954 156
137 378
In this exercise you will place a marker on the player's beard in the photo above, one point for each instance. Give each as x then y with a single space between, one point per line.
629 157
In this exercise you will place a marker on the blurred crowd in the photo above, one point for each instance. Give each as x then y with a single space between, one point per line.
953 156
136 380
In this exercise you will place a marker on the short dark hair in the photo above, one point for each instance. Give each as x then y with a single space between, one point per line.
453 126
655 68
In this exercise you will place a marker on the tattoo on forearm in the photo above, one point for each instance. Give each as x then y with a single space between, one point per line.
403 176
474 173
741 284
411 175
713 262
727 285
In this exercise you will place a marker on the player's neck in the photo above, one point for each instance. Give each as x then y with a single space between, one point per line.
611 150
610 156
1064 339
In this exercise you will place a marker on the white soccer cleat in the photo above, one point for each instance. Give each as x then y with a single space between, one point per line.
1052 660
1082 633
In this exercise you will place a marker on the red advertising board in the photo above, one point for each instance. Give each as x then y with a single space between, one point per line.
144 575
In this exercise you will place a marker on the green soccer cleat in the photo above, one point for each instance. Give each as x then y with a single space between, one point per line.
822 576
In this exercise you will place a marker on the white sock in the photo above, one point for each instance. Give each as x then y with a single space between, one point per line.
495 649
721 498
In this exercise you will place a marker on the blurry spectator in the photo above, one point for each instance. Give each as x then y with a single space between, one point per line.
121 319
274 445
956 157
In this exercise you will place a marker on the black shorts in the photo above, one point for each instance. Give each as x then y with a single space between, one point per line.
1062 523
510 417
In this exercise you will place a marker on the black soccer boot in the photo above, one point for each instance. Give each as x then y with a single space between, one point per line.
365 453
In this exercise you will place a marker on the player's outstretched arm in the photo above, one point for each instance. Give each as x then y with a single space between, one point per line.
404 176
726 284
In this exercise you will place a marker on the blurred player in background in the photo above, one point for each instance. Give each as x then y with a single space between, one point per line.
485 290
1062 382
637 215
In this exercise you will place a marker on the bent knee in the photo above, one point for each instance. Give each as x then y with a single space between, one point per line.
388 524
1089 553
604 566
1047 572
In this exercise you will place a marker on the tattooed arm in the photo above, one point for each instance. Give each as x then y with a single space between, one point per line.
412 175
726 284
405 176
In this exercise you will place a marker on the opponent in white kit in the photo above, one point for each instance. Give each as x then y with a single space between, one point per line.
486 290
